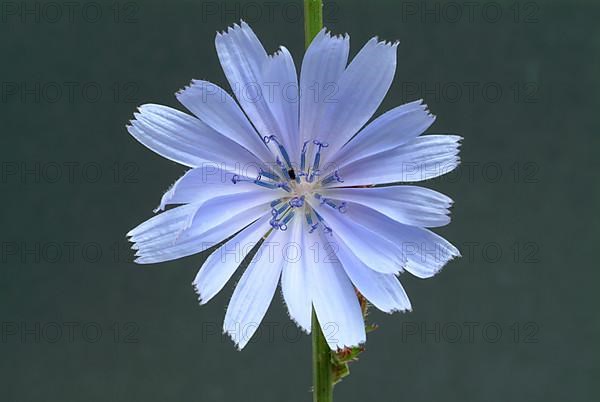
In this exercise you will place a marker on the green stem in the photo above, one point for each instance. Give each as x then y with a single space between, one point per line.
321 354
322 368
313 19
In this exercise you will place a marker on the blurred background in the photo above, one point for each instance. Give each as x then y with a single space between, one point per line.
511 320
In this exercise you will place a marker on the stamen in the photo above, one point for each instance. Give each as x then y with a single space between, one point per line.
320 145
274 223
288 217
333 177
276 212
330 203
315 168
283 168
269 174
265 184
297 202
309 220
284 186
308 215
276 202
238 179
342 208
285 214
282 150
299 175
303 156
326 228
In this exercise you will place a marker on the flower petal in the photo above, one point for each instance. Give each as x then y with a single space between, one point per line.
324 62
412 205
371 248
388 131
334 299
242 58
212 223
245 61
280 88
361 89
204 183
295 283
164 223
221 264
171 247
218 109
423 158
426 252
384 291
254 292
185 139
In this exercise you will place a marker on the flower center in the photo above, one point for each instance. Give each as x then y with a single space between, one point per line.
303 189
301 182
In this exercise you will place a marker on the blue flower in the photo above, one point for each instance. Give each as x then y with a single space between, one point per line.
292 170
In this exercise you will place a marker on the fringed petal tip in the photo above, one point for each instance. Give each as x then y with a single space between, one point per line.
407 309
330 35
167 196
388 43
326 35
145 107
197 291
420 103
454 255
281 50
236 26
238 343
229 29
307 331
185 88
441 267
303 328
194 82
453 139
130 234
425 107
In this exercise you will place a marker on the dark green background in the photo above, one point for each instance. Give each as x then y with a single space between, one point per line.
539 213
